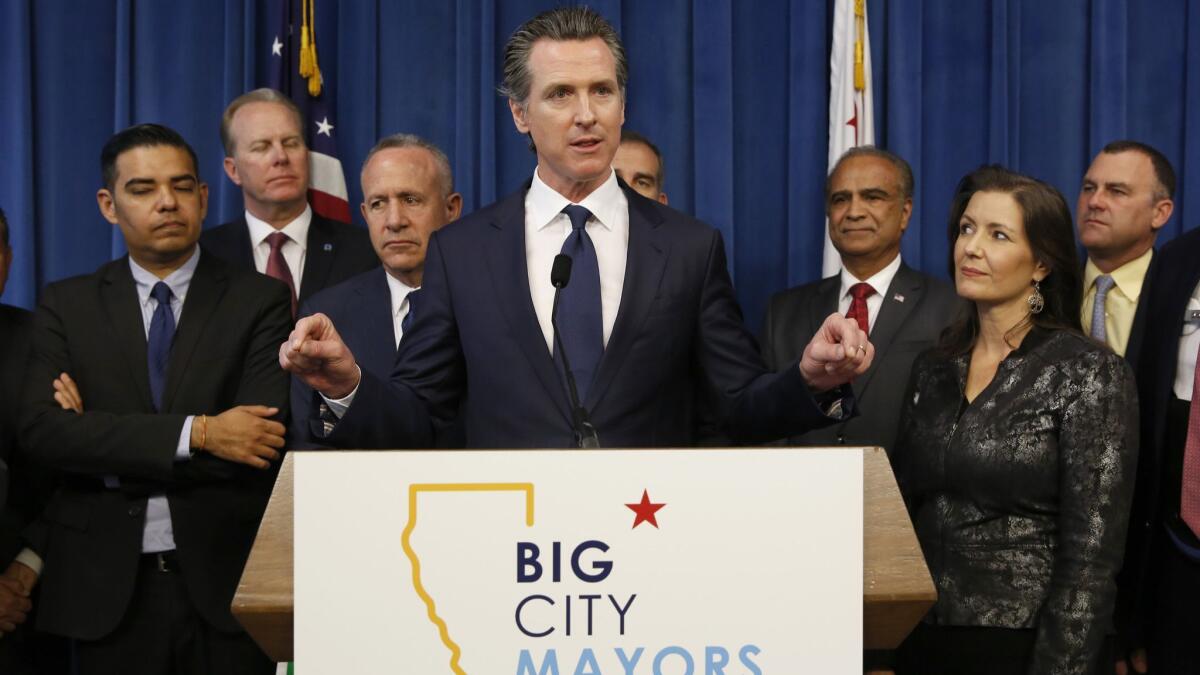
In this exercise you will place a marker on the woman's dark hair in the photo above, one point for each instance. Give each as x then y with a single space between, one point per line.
1050 234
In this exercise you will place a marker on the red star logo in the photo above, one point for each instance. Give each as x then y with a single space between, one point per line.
645 510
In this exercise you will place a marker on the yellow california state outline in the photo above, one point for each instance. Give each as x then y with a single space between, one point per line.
413 491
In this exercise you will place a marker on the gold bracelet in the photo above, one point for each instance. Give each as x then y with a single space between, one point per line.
203 430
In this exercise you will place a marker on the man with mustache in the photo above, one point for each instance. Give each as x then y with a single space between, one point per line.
279 235
1123 203
408 194
648 317
868 199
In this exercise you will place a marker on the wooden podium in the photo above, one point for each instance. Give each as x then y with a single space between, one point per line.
897 589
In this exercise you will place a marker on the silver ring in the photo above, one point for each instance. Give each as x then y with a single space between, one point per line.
863 348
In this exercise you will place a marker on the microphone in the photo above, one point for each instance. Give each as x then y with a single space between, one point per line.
585 433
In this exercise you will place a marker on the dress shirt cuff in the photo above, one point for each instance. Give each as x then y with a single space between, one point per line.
836 404
339 406
30 559
183 450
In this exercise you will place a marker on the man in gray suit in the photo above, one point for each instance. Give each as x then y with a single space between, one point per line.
868 198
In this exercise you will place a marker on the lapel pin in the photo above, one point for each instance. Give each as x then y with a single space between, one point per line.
897 297
328 247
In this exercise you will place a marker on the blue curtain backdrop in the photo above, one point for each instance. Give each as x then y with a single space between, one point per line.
735 93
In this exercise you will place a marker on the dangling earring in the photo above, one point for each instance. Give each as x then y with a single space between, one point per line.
1036 302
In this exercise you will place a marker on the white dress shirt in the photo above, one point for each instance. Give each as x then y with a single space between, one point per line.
157 533
880 281
547 228
399 292
294 249
1189 343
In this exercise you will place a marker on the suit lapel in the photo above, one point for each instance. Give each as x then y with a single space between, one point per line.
375 297
510 278
203 296
644 266
242 252
908 285
318 257
119 296
1137 330
826 304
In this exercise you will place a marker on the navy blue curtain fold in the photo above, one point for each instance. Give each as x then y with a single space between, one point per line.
734 93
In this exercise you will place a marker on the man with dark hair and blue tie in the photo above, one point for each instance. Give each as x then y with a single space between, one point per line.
645 317
166 429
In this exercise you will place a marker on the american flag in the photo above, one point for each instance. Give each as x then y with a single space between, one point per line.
297 25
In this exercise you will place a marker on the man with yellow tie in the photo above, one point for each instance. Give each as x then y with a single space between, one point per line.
1125 199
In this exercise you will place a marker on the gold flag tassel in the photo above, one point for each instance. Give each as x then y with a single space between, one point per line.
860 15
306 64
309 69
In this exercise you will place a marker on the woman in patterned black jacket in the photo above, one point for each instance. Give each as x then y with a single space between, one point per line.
1017 448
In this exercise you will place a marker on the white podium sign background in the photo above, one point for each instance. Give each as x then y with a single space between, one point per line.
519 562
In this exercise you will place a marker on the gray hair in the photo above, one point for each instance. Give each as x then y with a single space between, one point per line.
445 175
264 95
901 166
560 25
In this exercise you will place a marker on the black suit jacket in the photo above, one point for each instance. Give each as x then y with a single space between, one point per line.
334 253
916 307
18 502
224 354
1137 332
1162 306
477 344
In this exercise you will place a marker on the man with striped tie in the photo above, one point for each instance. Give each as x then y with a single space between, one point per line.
408 194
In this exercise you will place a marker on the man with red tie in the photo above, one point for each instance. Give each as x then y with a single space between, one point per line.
279 235
868 199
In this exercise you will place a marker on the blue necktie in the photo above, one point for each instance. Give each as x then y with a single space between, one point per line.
1104 284
158 347
407 321
580 322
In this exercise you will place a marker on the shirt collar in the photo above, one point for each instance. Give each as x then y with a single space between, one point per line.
543 204
297 230
399 291
1128 278
880 281
178 281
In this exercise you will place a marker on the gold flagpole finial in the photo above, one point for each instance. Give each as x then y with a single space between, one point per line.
860 15
309 68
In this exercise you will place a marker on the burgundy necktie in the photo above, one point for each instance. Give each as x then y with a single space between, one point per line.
1189 492
277 267
858 305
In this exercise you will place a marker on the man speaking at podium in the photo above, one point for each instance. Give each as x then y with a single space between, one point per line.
645 308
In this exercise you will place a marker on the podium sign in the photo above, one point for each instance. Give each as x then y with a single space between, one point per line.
571 562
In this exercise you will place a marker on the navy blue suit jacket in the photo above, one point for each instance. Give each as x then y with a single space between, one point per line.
477 347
